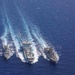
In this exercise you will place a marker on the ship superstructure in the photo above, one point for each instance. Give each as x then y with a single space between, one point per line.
27 52
51 54
8 46
9 50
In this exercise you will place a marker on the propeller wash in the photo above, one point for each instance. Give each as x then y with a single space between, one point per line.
24 40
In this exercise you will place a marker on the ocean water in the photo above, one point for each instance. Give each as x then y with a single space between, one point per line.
55 20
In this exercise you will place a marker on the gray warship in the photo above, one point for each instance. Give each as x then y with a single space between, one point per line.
9 50
27 52
8 47
51 54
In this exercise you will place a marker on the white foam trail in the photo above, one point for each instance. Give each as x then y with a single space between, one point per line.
25 24
38 36
15 40
42 43
3 37
27 31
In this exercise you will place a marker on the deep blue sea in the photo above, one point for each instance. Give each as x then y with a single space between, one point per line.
56 21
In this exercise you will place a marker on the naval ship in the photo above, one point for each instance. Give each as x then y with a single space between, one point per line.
8 47
51 54
27 52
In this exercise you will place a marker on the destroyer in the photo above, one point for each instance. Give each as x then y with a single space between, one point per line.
51 54
8 50
8 46
27 52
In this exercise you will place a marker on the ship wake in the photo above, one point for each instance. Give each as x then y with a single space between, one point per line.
29 36
9 29
25 37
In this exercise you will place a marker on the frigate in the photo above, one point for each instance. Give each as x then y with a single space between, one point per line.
51 54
